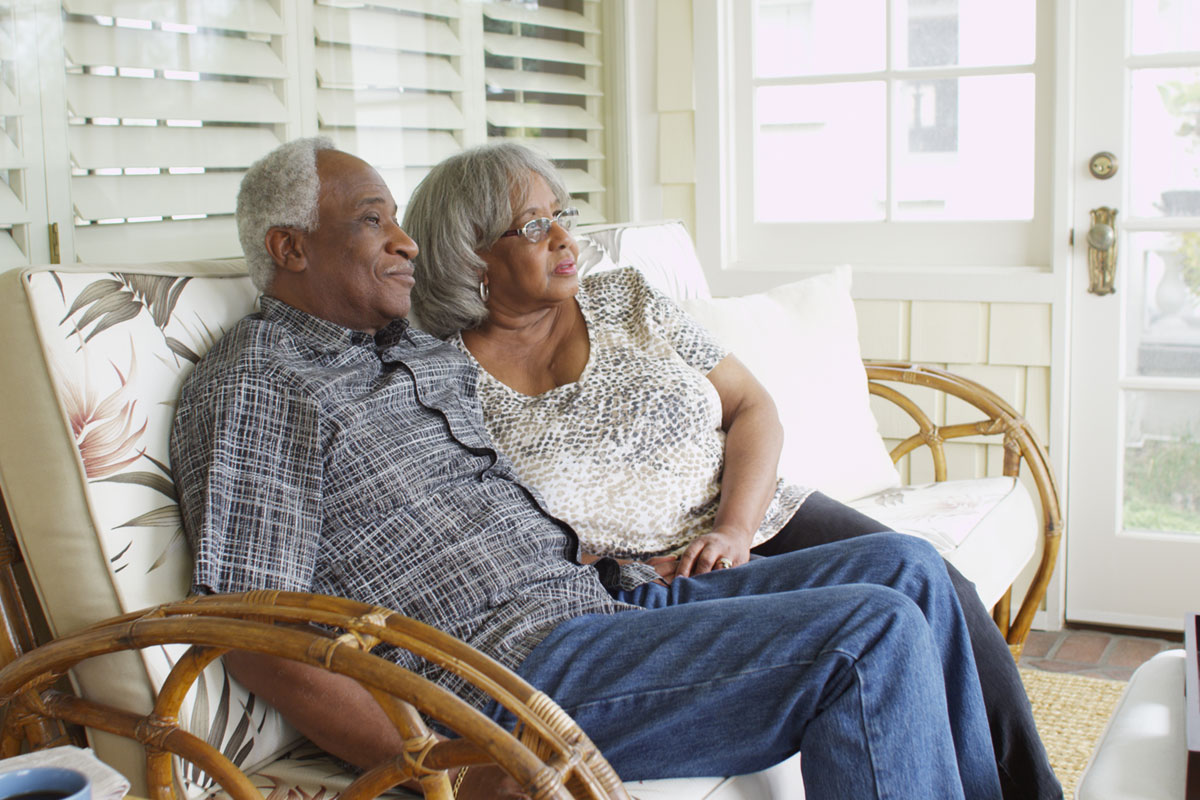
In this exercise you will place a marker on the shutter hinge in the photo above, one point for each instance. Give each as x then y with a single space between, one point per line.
55 255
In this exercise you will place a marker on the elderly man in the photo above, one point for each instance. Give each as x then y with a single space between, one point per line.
324 446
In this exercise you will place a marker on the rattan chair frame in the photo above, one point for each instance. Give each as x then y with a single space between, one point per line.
1022 448
546 752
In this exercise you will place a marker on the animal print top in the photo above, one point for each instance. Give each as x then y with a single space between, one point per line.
630 454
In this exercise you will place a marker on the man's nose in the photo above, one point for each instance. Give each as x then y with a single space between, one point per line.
402 243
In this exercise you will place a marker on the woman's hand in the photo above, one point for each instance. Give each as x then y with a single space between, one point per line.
665 566
719 549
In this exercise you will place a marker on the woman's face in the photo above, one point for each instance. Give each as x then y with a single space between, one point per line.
523 276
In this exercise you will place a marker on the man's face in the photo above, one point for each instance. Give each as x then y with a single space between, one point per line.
358 271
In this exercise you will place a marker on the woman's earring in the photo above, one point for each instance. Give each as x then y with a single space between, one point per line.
484 291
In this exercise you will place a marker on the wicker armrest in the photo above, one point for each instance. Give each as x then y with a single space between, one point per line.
1021 445
547 752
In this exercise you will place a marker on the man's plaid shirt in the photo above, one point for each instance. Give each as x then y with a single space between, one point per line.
309 457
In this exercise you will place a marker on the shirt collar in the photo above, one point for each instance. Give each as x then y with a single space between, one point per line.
325 336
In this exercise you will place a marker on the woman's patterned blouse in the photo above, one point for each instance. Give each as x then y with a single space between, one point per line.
630 454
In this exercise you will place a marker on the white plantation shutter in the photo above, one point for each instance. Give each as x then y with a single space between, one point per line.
139 134
390 87
17 169
544 87
167 104
405 84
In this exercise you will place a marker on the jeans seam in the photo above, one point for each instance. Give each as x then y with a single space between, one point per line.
710 682
868 733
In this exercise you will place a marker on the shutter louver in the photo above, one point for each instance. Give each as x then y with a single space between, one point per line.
168 104
543 78
14 214
389 84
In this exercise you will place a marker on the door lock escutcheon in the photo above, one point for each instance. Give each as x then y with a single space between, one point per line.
1102 251
1103 165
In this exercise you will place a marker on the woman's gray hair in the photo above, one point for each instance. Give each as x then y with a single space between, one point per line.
460 209
281 189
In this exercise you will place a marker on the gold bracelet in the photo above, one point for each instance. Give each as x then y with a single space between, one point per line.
462 773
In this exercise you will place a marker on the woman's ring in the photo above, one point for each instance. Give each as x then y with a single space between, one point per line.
724 563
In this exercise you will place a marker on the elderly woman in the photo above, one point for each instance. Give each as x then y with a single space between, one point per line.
629 418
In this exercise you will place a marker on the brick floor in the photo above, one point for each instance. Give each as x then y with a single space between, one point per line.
1083 647
1099 653
1039 643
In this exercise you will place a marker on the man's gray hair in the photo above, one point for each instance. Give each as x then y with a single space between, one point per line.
281 189
461 208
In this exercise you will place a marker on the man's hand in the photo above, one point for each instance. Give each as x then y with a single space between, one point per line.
663 565
489 782
361 733
716 550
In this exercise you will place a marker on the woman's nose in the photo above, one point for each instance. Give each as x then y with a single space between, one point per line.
563 236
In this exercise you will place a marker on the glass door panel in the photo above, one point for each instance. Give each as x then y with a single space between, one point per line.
1165 142
1162 463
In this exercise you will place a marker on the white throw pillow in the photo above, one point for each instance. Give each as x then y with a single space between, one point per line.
801 341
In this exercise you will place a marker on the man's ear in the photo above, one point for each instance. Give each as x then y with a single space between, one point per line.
286 246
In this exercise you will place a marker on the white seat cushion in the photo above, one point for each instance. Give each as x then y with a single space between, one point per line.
987 527
780 781
306 771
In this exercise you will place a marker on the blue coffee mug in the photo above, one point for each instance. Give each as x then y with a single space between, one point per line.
44 783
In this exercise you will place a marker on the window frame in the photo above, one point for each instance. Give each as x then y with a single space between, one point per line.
727 240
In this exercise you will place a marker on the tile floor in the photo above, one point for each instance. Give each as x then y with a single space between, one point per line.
1098 652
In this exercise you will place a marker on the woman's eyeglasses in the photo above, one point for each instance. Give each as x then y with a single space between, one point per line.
537 229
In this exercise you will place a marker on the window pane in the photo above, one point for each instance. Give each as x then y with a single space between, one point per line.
940 33
1164 26
813 37
820 152
965 148
1165 142
1162 462
1163 307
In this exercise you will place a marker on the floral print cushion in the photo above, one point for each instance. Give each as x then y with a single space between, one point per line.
305 772
987 527
118 343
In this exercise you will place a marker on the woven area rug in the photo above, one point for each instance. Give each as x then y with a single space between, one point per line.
1071 712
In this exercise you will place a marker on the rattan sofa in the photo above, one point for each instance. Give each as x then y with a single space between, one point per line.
99 632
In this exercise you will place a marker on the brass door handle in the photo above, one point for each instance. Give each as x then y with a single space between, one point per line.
1102 251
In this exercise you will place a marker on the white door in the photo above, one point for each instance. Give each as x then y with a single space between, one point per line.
1133 516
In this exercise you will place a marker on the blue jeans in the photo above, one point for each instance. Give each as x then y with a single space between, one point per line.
1025 771
854 653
